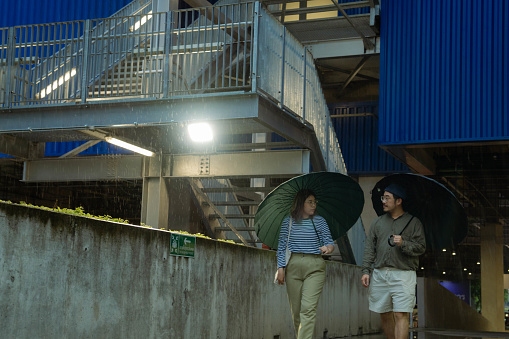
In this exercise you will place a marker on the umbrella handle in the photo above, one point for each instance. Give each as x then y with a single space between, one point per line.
392 244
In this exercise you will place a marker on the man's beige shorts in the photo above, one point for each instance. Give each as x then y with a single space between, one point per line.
391 289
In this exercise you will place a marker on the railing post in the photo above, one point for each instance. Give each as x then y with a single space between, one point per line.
11 55
327 138
304 89
254 48
282 90
168 43
84 66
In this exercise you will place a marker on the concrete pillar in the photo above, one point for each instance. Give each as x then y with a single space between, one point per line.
492 275
257 182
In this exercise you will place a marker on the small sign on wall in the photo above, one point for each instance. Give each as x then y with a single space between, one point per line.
182 245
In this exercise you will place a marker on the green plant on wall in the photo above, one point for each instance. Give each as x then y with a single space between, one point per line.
80 211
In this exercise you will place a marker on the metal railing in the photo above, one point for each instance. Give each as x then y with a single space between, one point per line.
142 55
232 47
287 74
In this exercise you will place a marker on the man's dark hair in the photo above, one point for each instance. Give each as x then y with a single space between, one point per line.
298 203
403 201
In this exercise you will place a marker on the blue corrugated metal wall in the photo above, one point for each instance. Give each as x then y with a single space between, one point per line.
28 12
354 11
358 136
54 149
444 71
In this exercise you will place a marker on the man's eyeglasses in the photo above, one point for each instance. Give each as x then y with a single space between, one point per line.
385 199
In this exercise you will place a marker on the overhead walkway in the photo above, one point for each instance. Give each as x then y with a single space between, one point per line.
143 77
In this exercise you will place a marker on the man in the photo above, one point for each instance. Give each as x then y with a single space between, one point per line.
395 241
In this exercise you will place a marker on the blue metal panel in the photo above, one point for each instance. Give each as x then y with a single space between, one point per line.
55 149
357 131
353 11
443 71
27 12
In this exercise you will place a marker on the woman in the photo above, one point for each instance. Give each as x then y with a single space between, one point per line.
305 273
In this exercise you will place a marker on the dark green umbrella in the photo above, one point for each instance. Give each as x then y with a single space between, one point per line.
442 215
340 202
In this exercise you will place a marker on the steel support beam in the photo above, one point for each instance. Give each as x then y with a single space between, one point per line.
354 72
368 44
94 168
130 167
130 113
342 48
291 128
80 148
18 147
155 201
264 163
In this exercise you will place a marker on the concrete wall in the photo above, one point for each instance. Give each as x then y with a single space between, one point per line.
441 309
64 276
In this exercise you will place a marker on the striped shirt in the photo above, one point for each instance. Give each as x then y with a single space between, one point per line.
303 238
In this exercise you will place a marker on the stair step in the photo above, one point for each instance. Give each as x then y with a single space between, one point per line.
233 216
248 146
248 241
236 189
240 229
237 203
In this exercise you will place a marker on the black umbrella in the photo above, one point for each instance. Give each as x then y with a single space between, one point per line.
442 215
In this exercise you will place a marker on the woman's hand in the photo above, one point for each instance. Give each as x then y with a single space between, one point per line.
281 276
327 249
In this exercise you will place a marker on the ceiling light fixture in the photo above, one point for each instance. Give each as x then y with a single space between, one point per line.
128 146
200 132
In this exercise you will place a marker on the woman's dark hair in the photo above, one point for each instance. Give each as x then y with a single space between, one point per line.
298 203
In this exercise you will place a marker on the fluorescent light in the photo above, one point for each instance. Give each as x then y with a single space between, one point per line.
128 146
200 132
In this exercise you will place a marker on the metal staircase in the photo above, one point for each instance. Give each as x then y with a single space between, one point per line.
144 65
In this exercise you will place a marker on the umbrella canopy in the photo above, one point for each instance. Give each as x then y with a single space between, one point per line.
442 215
340 202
